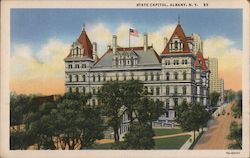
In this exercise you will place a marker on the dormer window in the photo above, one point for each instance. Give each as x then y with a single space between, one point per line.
176 45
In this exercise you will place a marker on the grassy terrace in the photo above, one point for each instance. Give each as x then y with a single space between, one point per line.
161 132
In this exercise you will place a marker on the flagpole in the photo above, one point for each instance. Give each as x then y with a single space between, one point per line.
129 38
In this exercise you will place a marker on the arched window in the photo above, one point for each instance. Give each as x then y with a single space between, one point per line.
184 90
184 75
167 90
167 76
176 76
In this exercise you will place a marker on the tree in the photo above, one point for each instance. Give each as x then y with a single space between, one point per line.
132 93
191 116
237 106
110 99
140 136
68 123
214 98
235 135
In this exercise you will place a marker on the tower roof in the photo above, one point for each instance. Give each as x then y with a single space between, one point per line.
84 40
200 61
181 35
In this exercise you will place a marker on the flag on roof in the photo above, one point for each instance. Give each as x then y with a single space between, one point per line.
133 32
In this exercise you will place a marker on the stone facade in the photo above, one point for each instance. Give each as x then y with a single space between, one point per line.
176 75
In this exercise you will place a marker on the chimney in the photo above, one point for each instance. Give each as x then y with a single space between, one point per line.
114 43
165 41
145 41
108 46
95 51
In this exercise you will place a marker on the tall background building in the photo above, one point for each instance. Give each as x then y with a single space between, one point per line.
216 84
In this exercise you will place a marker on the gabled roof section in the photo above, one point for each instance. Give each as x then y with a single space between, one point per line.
84 40
200 61
181 35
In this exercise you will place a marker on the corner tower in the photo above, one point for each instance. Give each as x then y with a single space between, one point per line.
79 62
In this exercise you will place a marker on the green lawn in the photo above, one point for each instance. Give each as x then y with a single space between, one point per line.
171 143
162 143
160 132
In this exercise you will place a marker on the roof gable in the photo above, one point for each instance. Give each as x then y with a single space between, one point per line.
88 48
179 33
200 61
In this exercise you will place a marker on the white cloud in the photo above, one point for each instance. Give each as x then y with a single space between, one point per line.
45 63
101 34
229 57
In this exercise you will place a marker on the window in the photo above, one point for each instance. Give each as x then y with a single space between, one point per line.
99 78
132 76
175 114
167 76
175 101
152 90
167 90
77 90
185 61
157 90
184 75
70 89
83 90
175 90
167 104
77 78
116 61
93 78
104 78
185 100
146 76
176 76
83 65
176 45
124 77
132 61
70 66
93 102
184 90
152 76
124 61
182 62
117 77
94 91
177 62
77 66
70 78
167 115
158 77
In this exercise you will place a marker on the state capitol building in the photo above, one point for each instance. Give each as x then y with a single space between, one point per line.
178 73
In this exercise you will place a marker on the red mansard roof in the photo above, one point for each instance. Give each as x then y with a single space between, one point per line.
181 35
200 61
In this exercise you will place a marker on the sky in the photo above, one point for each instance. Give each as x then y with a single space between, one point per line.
41 39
